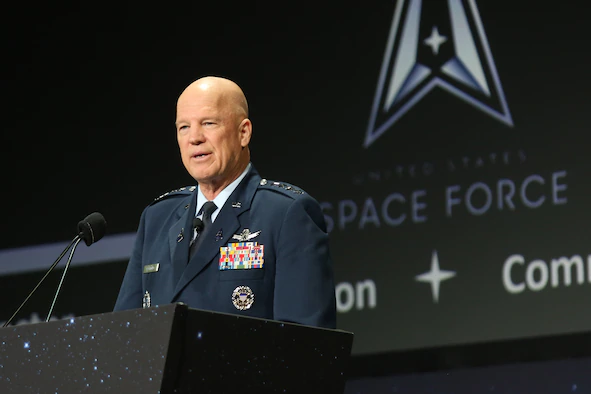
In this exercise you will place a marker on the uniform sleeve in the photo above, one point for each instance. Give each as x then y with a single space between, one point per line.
130 294
304 282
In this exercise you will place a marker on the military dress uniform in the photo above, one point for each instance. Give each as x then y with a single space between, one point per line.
266 255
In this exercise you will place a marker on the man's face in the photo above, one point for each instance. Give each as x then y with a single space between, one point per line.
211 137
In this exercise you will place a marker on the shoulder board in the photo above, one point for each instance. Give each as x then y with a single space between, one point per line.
180 191
286 188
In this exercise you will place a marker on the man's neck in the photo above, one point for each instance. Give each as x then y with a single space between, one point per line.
211 190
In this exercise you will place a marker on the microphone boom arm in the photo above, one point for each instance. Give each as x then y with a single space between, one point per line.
59 287
76 239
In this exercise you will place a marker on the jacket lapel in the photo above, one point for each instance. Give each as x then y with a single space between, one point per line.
221 231
179 237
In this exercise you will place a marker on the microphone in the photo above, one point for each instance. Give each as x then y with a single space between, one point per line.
198 225
91 230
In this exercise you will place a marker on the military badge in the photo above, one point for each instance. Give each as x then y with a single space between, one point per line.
242 298
182 190
246 235
219 235
147 301
285 186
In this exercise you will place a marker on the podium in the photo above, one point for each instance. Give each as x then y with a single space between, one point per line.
172 349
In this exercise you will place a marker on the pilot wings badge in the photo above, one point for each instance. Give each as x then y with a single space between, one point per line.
246 235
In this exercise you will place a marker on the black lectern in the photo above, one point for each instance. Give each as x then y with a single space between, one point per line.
172 349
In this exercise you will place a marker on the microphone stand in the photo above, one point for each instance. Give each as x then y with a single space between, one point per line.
76 239
63 277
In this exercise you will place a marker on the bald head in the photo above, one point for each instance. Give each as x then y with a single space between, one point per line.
225 92
213 132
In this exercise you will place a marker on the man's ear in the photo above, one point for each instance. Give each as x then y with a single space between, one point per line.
245 132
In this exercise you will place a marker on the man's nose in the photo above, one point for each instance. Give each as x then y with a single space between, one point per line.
196 135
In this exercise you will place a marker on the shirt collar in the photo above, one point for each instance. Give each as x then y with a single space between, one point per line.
221 198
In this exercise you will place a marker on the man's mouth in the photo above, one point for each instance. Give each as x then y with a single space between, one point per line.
200 155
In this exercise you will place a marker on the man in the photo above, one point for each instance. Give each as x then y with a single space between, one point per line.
261 249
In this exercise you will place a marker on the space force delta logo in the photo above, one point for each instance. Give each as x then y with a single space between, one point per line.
441 44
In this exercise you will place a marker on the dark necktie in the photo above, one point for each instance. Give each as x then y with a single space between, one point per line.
208 208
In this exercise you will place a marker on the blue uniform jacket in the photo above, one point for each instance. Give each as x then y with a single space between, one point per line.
295 283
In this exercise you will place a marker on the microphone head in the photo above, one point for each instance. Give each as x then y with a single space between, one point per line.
92 228
198 224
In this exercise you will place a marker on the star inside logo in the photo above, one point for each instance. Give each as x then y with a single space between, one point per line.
445 48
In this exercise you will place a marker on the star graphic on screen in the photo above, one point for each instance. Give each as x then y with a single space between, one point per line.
435 40
435 276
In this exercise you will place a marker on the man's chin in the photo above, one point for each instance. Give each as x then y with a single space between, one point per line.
203 178
202 174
